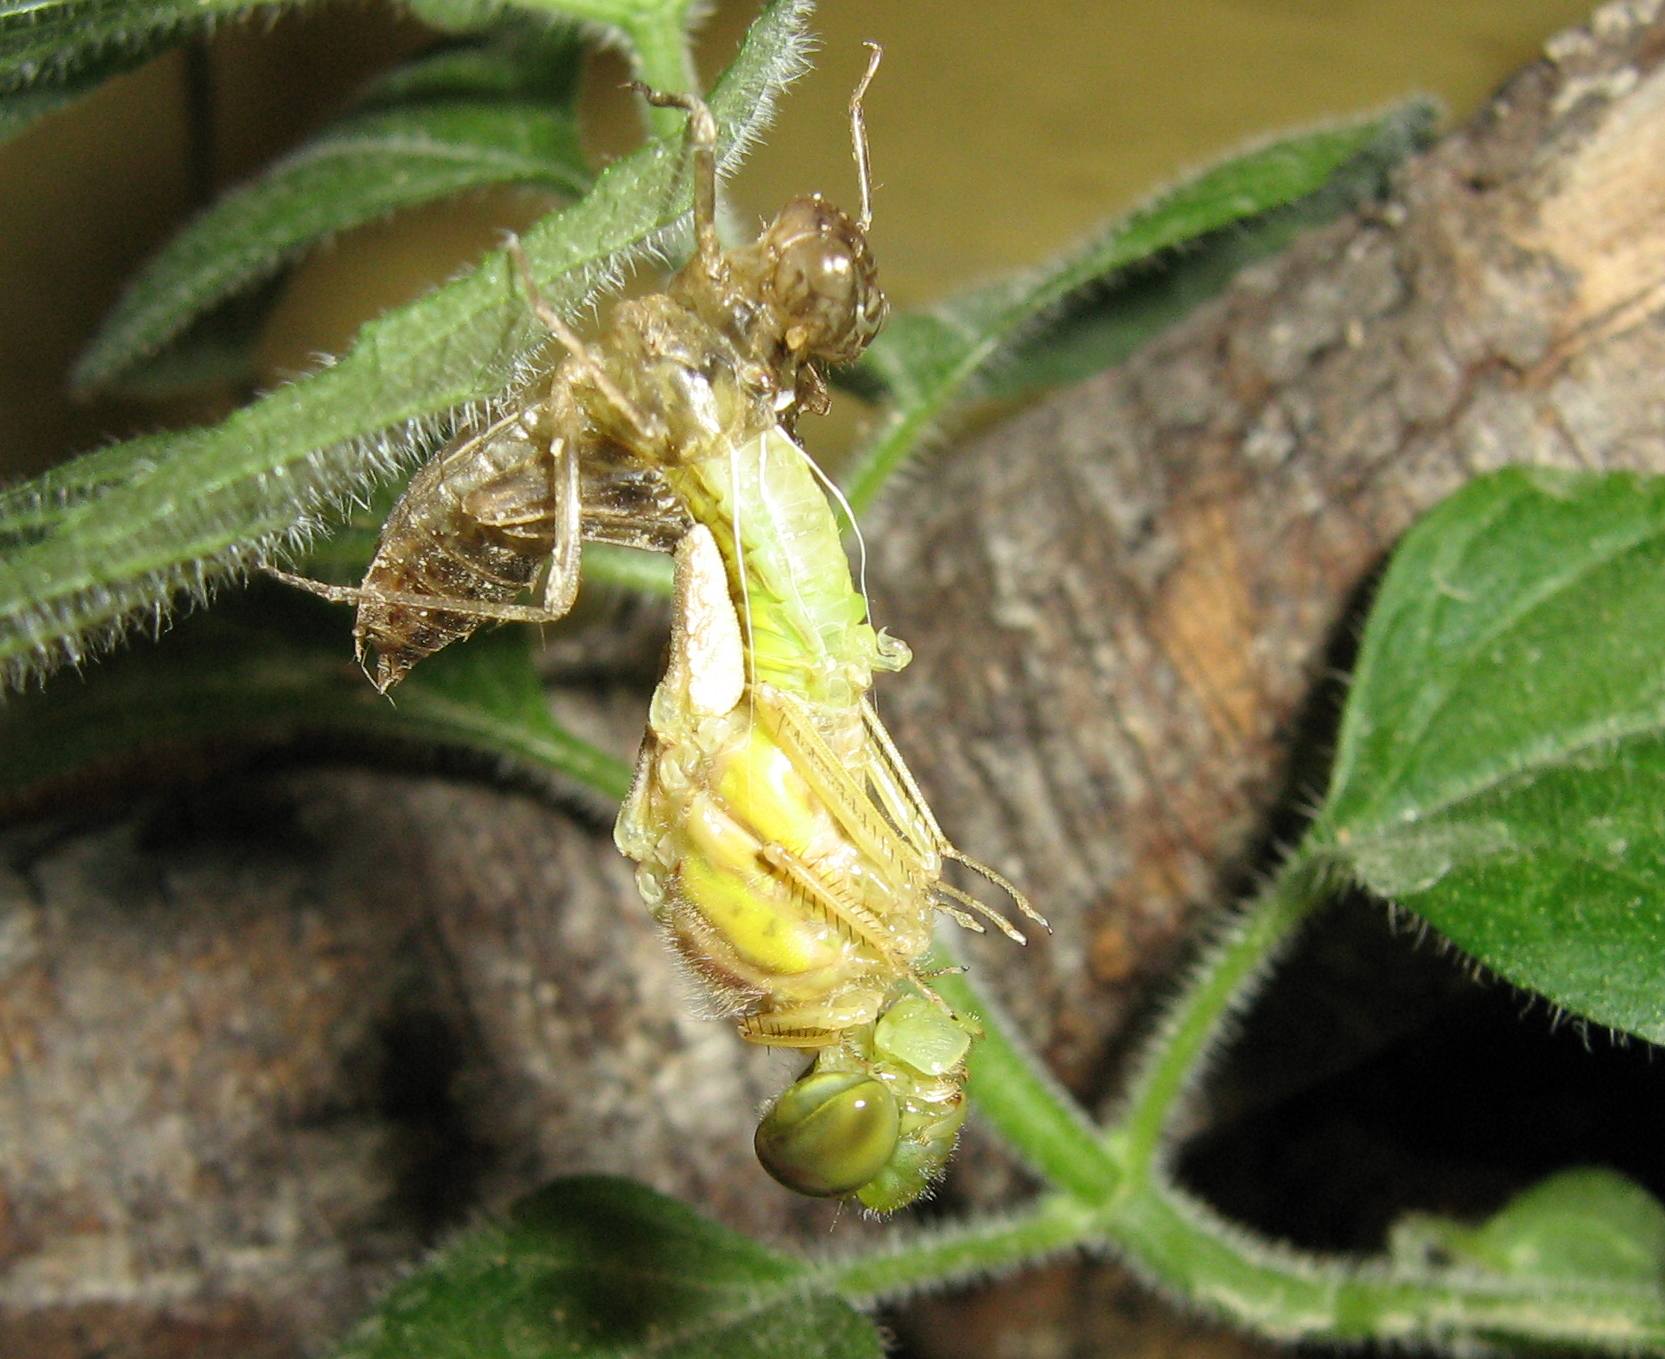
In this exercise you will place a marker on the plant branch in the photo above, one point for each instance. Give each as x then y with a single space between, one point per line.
963 1251
1177 1243
1223 981
1016 1094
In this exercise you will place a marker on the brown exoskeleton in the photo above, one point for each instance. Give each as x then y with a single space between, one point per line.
735 344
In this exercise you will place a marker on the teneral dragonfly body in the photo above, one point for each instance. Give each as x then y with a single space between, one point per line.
801 886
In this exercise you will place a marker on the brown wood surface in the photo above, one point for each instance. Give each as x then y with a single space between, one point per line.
268 1036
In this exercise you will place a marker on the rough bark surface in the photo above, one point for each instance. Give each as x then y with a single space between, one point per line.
265 1039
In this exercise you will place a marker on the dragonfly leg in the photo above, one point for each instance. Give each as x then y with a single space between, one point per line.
560 580
858 135
466 608
593 368
900 793
702 150
812 1024
867 827
830 899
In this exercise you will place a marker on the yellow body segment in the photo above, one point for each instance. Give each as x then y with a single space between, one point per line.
748 863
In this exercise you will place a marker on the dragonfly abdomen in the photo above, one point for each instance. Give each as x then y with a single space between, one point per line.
476 529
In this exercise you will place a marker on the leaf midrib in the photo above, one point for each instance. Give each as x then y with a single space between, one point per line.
1529 603
1389 833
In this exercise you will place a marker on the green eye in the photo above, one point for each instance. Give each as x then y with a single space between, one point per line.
829 1134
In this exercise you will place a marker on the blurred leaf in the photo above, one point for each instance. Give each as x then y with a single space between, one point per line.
54 51
1586 1223
653 34
155 517
267 671
1501 767
493 114
1103 324
927 361
599 1267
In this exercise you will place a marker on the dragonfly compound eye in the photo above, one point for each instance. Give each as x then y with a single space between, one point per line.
829 1134
824 283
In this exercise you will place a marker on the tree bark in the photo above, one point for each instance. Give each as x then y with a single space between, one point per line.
267 1038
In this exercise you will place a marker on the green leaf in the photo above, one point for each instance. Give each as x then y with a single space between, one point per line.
1585 1223
54 51
280 665
928 361
598 1267
1501 764
161 516
654 34
1101 325
490 114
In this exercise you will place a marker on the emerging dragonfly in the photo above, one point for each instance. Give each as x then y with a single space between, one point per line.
797 869
779 837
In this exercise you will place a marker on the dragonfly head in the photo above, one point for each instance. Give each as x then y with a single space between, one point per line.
878 1114
821 282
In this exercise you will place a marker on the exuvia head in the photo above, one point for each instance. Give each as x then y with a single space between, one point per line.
820 281
820 276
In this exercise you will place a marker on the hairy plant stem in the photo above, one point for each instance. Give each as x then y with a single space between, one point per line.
1112 1195
1183 1247
1223 980
1014 1093
953 1254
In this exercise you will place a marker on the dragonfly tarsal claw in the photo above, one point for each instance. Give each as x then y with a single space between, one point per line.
999 880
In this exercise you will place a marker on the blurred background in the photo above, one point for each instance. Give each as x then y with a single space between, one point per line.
1000 134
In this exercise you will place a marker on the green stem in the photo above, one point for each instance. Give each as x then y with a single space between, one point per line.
1277 1292
1176 1243
1222 981
662 59
627 568
1017 1095
873 466
949 1254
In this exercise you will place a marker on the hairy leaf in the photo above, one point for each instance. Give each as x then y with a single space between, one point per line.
280 667
1101 325
497 113
1501 767
54 51
1585 1223
162 516
927 361
605 1267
